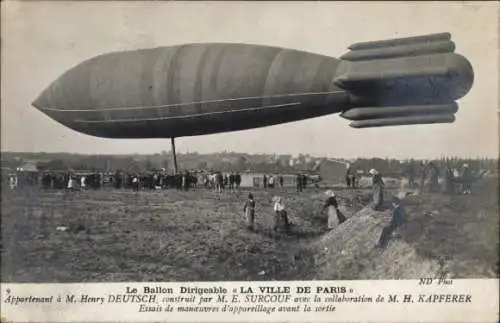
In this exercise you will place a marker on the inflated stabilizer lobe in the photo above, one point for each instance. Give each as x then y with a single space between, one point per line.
365 113
400 51
417 80
401 41
400 121
406 71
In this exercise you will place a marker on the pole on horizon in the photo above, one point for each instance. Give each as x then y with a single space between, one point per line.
172 141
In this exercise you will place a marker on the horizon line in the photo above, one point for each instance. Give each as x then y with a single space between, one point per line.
169 152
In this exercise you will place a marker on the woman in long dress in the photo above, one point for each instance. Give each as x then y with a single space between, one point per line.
280 214
249 209
70 183
377 190
335 217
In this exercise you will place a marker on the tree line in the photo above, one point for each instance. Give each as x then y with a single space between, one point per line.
225 163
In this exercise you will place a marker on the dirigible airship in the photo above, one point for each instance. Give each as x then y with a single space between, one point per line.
206 88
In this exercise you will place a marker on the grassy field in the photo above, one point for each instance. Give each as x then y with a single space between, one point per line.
201 236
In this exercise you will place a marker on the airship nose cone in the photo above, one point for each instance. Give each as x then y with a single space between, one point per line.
40 101
48 102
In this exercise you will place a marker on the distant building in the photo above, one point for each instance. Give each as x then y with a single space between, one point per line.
28 167
270 159
284 160
332 171
28 173
6 171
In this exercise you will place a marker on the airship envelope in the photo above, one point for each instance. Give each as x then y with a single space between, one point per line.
197 89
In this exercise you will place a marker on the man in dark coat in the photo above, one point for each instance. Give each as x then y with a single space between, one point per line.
348 177
398 220
298 180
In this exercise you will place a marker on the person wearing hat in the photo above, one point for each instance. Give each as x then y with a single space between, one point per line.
398 220
249 209
334 213
348 176
377 190
410 173
398 214
423 175
280 214
448 186
467 178
434 176
352 179
298 180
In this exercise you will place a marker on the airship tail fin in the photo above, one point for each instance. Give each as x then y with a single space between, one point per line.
365 117
434 78
369 113
401 41
402 81
400 47
399 121
414 70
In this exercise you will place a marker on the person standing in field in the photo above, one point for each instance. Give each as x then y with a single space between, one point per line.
304 182
225 182
249 210
467 179
434 177
352 179
410 173
398 220
184 182
377 190
348 176
13 182
280 214
237 180
83 182
448 186
135 183
71 186
423 175
219 179
231 182
334 215
271 181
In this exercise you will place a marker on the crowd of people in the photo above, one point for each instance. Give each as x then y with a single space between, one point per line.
453 181
136 181
152 180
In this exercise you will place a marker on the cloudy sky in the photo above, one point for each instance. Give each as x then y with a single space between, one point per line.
41 40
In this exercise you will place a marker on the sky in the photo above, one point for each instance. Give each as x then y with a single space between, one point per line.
41 40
